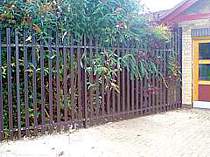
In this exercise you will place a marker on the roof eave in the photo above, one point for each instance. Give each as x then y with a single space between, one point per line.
181 7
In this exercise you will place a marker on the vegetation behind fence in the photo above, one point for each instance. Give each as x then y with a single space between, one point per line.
61 83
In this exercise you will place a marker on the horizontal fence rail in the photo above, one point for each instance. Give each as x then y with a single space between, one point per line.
48 85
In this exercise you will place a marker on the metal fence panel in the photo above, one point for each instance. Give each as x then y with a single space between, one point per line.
44 86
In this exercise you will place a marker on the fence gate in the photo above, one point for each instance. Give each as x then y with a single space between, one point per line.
57 84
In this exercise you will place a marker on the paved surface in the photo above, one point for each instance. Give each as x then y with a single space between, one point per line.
183 133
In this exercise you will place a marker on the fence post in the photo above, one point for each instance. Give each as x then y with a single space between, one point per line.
72 79
26 97
97 81
85 116
42 86
118 81
65 90
50 83
1 96
34 62
9 82
79 82
18 84
58 83
91 81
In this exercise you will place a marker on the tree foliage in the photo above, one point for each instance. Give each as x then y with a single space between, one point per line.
109 19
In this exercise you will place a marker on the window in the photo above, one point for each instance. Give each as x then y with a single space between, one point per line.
204 72
204 51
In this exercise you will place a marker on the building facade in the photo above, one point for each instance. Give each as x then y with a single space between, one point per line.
193 16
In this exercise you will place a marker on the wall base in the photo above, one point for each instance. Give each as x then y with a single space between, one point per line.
187 106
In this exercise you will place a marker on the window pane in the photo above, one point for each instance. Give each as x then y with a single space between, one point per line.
204 72
204 51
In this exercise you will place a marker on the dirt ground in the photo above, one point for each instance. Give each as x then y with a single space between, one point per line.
182 133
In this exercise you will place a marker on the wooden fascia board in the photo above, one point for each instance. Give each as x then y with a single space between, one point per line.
190 17
178 11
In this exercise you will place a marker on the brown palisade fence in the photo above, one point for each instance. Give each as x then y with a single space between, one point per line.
48 85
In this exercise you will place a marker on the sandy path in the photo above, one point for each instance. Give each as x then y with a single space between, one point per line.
174 134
